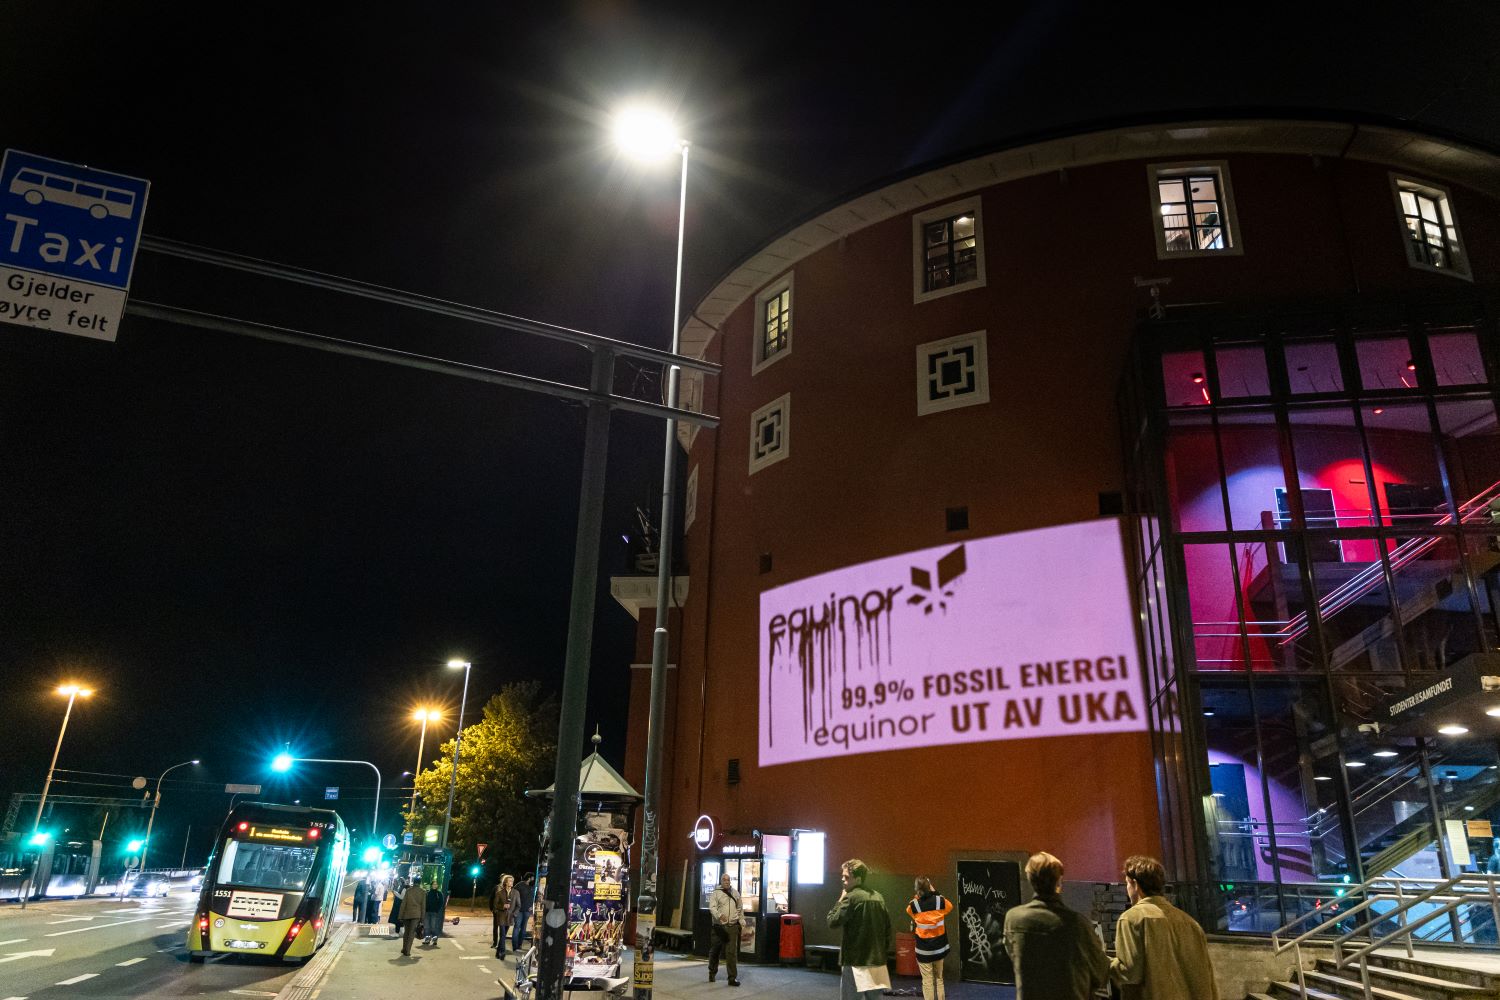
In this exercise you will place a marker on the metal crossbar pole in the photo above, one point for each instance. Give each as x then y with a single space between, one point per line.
424 303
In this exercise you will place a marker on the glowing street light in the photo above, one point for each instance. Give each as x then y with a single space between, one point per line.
283 762
643 135
458 743
424 716
74 692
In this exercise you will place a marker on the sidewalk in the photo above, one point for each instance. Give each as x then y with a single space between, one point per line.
462 966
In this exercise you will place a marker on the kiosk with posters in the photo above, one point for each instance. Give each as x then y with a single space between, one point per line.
598 884
759 866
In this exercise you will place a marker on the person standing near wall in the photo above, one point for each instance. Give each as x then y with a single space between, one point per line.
929 912
1160 952
867 935
1053 949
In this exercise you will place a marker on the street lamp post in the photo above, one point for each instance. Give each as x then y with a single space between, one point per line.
284 762
458 745
652 136
155 802
73 691
424 716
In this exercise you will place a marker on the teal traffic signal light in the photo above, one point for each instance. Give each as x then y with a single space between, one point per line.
134 847
372 855
281 762
473 871
40 838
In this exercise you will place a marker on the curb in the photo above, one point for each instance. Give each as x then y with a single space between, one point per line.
315 971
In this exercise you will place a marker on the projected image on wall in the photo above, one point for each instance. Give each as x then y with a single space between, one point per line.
1015 636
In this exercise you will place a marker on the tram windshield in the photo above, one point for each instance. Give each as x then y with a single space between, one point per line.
266 866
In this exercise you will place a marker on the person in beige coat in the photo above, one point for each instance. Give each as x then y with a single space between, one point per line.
1160 952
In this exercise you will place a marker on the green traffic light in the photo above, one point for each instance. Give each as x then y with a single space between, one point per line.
474 871
372 855
134 846
40 838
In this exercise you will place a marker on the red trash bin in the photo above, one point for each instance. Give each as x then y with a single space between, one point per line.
791 938
906 954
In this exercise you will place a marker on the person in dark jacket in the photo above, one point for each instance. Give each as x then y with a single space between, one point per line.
867 935
1054 950
527 891
432 917
361 896
929 914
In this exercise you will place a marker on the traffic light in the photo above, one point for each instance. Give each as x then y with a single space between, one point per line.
473 871
372 855
40 839
134 846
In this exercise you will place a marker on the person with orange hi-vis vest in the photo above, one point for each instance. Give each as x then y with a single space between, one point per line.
928 912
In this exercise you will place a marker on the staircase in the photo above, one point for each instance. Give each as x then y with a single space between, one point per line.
1375 943
1392 977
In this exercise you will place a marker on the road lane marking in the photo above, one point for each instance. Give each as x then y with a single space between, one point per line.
15 998
459 946
78 979
67 920
471 958
129 961
96 927
485 970
18 955
11 941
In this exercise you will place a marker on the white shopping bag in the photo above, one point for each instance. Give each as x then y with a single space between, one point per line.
871 977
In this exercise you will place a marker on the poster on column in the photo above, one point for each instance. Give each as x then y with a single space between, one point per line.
986 890
1015 636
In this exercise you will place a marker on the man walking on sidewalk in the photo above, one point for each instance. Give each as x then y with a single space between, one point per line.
724 908
413 900
1160 952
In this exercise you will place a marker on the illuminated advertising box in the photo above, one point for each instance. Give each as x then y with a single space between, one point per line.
1015 636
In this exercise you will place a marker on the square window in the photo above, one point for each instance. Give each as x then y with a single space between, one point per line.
1429 229
1193 210
952 373
770 433
947 250
1312 366
1456 359
773 332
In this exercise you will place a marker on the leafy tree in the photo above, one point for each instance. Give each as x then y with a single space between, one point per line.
512 749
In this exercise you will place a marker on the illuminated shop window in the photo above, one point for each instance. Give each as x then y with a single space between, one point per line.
1194 210
773 307
948 250
771 433
1432 239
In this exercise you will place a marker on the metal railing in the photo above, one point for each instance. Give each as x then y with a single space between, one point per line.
1415 906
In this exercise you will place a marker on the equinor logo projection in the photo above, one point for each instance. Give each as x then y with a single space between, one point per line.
1010 637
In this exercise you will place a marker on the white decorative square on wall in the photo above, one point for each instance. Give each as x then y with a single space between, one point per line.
952 373
690 500
771 433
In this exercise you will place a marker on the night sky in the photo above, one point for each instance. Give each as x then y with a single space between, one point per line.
243 544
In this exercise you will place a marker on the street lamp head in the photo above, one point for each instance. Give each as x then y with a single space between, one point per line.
196 763
281 762
427 715
645 135
72 689
460 664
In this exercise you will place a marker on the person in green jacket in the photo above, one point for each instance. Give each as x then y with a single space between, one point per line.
1054 950
862 914
1160 952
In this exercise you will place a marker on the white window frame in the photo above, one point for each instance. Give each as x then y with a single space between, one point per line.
1401 183
784 404
971 206
1233 238
758 361
981 393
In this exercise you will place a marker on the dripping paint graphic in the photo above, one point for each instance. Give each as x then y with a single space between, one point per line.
809 635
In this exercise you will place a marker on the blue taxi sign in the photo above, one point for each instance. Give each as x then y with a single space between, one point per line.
68 239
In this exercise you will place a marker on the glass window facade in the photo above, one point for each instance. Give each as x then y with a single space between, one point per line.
1320 533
